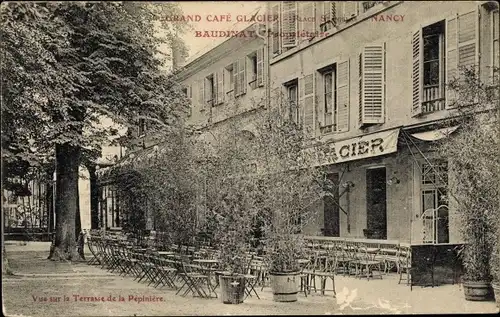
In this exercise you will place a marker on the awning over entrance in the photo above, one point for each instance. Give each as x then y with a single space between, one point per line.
362 147
435 135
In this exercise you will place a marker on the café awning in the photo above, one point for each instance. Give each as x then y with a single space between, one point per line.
435 135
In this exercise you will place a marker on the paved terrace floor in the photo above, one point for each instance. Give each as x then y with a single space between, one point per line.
35 277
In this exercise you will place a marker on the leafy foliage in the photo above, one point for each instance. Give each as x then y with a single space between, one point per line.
68 65
474 155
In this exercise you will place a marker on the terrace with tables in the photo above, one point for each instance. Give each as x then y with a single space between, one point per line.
194 270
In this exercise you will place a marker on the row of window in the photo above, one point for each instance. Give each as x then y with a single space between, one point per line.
439 50
229 82
311 17
320 99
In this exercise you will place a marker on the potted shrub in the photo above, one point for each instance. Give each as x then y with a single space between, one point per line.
231 235
229 203
289 187
474 185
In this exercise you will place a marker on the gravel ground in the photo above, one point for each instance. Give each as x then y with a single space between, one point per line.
64 283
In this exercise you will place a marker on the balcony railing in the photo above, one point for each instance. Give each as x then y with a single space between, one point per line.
433 99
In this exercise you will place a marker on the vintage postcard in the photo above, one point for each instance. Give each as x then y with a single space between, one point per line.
250 158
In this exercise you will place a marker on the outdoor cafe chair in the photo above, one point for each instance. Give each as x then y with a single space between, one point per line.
404 266
327 272
309 270
368 264
165 272
95 259
252 277
193 280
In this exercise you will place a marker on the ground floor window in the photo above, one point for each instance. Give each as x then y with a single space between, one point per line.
434 202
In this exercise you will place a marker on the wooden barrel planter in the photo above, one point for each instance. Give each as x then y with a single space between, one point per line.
285 286
496 290
232 288
478 290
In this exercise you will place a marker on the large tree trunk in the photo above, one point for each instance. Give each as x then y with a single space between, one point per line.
94 198
68 162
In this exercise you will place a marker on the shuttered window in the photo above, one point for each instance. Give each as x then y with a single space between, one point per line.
236 76
201 94
307 17
328 14
220 87
451 58
275 29
260 67
467 28
289 23
428 70
242 81
343 96
293 110
416 73
372 85
461 49
306 107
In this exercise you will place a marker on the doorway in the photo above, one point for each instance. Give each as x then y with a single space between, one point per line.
331 207
376 204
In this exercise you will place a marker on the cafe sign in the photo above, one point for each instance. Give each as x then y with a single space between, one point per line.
366 146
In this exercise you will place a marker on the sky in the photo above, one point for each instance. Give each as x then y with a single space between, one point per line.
207 10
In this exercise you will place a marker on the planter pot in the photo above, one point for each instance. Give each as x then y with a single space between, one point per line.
496 290
285 286
232 289
478 290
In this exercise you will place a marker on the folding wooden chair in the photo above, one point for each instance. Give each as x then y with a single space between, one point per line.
95 259
193 280
252 277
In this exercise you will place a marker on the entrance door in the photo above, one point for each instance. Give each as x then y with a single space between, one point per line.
376 204
331 208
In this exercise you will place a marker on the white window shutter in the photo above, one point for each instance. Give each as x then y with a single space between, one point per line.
236 81
343 96
275 29
220 86
307 17
260 67
289 24
468 56
372 99
350 9
451 58
300 103
308 105
243 75
416 74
